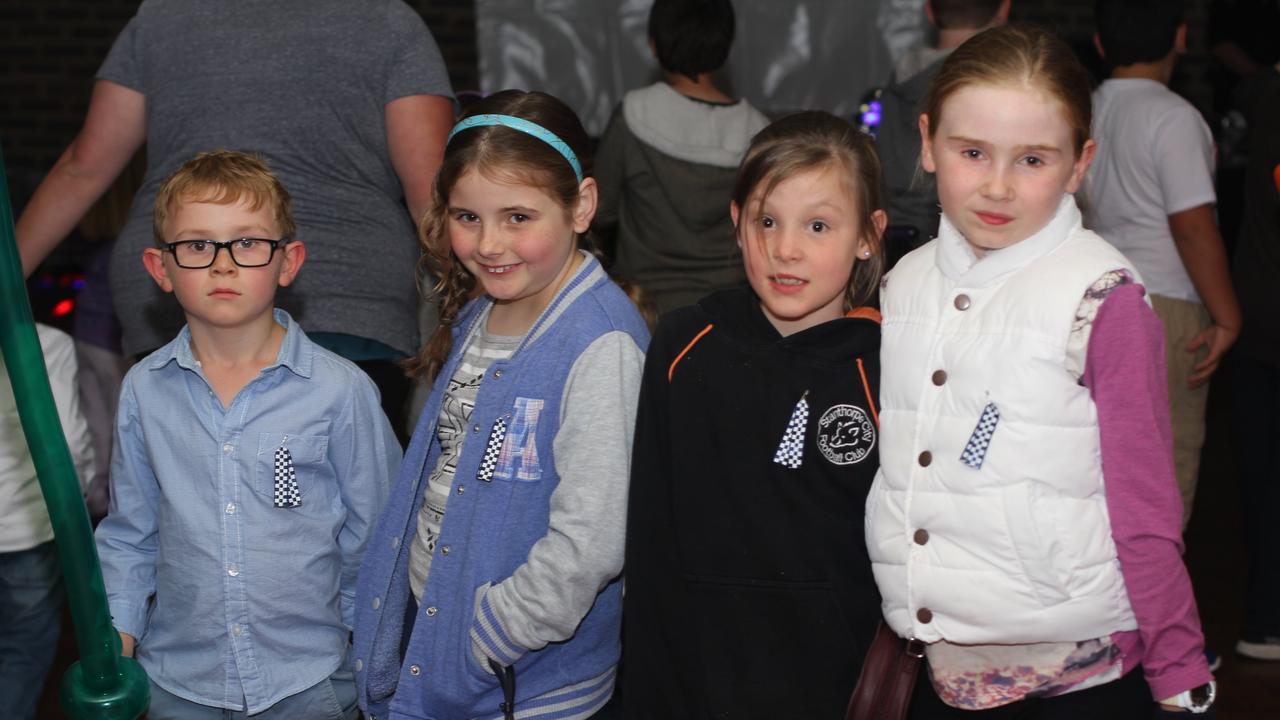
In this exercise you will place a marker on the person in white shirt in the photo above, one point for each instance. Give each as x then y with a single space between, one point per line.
1151 194
31 590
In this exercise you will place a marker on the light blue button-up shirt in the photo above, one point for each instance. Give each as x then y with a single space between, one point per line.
236 602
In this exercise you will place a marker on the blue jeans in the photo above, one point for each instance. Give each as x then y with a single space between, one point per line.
31 597
333 698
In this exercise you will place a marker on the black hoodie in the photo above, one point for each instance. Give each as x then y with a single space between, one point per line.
749 593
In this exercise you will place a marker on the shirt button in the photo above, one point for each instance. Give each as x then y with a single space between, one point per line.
962 302
377 603
939 377
414 670
444 550
921 536
395 542
231 508
237 630
233 570
359 664
431 611
925 458
228 447
924 615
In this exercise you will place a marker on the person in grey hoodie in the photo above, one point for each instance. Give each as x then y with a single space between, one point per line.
667 160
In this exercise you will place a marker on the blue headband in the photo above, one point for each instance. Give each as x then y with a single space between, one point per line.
526 127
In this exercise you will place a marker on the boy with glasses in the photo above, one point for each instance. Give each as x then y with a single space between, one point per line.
249 465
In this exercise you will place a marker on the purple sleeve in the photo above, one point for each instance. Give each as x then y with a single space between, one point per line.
1125 373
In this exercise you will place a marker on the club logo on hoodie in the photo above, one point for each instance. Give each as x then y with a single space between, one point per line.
846 434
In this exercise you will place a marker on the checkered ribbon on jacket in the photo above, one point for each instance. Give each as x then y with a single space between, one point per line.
790 451
975 451
492 450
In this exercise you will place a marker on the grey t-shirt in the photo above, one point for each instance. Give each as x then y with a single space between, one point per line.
304 83
482 350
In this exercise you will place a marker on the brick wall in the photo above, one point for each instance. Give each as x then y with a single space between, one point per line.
49 50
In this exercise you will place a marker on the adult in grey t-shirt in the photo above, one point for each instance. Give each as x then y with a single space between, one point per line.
348 102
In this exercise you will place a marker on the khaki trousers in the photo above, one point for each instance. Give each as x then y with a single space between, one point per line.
1183 320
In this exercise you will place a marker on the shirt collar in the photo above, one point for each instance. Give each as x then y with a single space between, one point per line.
296 350
958 262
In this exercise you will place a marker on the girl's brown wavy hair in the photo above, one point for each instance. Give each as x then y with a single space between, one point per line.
503 154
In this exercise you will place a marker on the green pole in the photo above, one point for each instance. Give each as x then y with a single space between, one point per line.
102 685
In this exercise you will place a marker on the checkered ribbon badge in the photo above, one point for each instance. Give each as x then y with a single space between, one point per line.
975 451
492 450
791 450
287 494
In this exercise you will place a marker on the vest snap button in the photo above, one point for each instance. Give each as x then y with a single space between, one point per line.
921 536
962 302
939 377
925 458
924 615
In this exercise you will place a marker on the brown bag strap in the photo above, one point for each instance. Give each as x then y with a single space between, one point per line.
888 678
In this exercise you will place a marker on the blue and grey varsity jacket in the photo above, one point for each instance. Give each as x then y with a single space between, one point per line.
518 576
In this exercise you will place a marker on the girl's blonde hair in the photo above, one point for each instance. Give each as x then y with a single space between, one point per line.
1022 56
503 153
817 140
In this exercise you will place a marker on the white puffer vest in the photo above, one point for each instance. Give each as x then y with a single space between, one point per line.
1014 545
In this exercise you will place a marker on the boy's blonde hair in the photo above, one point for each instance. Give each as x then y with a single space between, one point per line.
223 177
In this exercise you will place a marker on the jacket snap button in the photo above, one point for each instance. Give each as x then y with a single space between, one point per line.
475 428
921 536
431 611
925 458
962 302
414 670
497 374
924 615
939 377
444 550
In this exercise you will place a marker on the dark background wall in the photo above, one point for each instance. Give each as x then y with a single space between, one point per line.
50 49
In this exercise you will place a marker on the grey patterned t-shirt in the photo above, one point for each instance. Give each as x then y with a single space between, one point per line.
481 351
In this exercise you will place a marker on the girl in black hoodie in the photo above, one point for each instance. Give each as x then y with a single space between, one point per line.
748 589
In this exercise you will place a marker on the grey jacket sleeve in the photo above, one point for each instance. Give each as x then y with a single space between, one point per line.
546 598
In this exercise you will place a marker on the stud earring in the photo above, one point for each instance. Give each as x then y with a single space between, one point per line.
866 253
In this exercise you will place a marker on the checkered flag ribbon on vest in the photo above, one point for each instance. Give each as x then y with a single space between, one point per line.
287 494
975 451
492 451
791 450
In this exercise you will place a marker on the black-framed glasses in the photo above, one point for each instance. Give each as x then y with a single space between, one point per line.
245 252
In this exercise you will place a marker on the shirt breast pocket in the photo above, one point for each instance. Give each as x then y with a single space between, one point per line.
288 466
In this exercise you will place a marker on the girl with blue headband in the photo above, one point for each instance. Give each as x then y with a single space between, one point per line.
492 581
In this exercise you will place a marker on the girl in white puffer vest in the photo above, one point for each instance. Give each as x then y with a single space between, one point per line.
1025 522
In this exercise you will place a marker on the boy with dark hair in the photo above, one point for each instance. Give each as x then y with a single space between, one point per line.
691 38
248 468
1151 194
666 162
910 197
